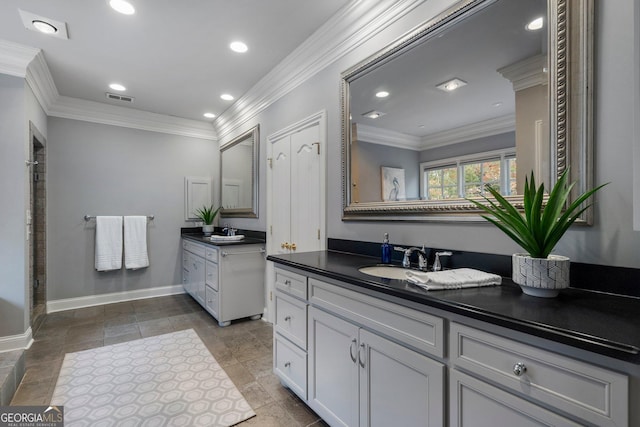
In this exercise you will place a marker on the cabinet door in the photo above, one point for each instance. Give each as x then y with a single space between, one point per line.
398 386
474 403
333 371
197 277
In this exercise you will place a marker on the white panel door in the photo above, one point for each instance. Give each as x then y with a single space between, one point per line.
333 371
280 193
305 189
398 387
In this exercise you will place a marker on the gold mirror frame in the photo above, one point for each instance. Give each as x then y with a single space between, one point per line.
571 111
244 211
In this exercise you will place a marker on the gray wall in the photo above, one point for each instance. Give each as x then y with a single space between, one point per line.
107 170
371 157
480 145
610 241
13 195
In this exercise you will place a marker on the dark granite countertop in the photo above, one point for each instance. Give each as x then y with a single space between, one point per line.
200 238
602 323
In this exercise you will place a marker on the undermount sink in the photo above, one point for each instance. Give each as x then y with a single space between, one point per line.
227 238
385 271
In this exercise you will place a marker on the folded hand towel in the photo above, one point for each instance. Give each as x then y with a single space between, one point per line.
108 243
453 279
135 242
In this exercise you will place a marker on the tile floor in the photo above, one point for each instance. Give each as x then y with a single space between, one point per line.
243 349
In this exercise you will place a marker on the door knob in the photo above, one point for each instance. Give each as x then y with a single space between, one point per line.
293 246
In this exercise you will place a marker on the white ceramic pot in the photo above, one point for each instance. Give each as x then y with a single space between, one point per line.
207 229
541 277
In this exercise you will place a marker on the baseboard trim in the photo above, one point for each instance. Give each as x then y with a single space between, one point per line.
16 342
93 300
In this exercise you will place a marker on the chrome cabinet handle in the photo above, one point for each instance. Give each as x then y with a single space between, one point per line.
287 282
351 353
519 369
287 364
287 318
360 355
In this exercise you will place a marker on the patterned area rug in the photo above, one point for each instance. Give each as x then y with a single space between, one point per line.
166 380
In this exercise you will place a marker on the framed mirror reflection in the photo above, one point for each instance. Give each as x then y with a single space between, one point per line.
239 175
484 93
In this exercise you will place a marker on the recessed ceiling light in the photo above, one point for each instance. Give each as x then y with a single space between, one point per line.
209 115
43 24
238 47
44 27
536 24
374 114
451 85
122 6
226 97
382 94
118 87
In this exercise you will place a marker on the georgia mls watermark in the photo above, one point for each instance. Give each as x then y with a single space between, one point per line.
31 416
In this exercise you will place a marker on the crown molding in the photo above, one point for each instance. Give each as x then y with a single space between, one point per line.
41 82
98 112
391 138
349 28
526 73
15 58
473 131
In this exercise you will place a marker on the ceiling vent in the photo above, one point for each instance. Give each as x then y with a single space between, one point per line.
116 97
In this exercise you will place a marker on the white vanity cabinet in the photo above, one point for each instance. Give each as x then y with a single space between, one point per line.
588 392
349 374
357 377
366 360
228 281
290 331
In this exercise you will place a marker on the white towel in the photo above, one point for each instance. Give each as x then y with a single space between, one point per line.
453 279
108 243
135 242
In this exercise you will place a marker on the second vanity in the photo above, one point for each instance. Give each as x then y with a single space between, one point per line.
226 278
363 351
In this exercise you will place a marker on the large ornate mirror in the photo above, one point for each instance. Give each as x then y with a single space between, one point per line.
239 175
484 93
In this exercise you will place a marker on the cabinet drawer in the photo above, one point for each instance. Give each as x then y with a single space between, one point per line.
211 301
291 319
476 403
419 330
589 392
211 254
290 364
194 248
291 283
211 276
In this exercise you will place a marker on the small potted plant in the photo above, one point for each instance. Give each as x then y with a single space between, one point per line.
206 214
537 229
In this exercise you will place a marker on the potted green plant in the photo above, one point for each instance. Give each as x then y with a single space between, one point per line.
537 229
207 214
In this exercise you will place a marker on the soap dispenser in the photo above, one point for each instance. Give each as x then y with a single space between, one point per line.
386 250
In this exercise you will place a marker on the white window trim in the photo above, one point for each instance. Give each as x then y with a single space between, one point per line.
503 155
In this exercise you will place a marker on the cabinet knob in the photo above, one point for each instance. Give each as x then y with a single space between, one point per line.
287 282
287 364
519 369
287 318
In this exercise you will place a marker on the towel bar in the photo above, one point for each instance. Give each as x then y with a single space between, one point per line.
90 217
261 251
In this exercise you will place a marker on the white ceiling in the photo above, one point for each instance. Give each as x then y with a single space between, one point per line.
172 56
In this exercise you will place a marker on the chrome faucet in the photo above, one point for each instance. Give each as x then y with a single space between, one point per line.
406 263
436 264
230 231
